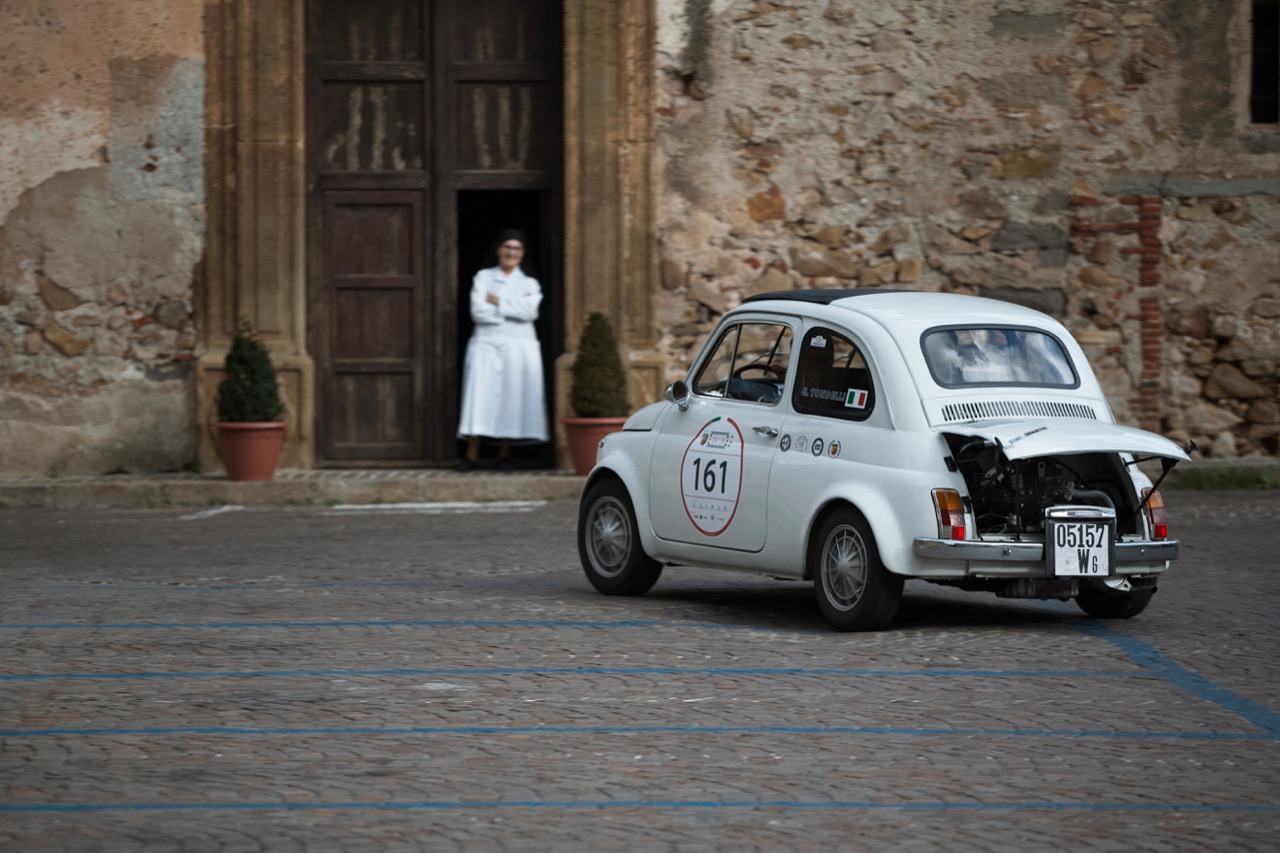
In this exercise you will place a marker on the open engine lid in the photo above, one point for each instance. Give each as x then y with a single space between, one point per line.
1025 438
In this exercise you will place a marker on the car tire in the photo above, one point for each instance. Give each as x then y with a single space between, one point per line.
1105 605
855 591
609 542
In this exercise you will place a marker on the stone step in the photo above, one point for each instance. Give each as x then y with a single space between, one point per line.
288 488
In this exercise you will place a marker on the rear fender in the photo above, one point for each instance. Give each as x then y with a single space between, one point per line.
894 530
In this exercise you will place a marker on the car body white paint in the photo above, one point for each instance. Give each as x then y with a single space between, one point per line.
887 465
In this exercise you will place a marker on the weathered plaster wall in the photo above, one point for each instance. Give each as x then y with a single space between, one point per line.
1092 159
101 232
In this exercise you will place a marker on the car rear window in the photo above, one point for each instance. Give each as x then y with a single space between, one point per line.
997 355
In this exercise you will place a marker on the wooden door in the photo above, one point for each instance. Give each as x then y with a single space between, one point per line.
409 103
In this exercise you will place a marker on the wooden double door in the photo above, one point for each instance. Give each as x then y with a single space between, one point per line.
431 125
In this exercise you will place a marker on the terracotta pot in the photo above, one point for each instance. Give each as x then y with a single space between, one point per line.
583 436
249 450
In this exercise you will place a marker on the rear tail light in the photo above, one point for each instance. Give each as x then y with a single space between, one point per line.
1156 515
950 510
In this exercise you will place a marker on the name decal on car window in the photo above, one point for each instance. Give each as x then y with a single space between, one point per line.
822 394
711 476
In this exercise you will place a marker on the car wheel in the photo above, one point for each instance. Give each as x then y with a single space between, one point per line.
1103 605
609 542
855 591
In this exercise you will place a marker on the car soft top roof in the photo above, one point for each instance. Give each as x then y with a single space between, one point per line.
821 296
915 311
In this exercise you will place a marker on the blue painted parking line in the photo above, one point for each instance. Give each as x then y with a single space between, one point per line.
376 623
572 670
1150 658
236 731
643 804
1151 662
111 586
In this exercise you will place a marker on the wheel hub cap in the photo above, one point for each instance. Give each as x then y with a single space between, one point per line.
610 538
844 568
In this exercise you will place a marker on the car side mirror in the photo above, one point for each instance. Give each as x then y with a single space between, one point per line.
677 392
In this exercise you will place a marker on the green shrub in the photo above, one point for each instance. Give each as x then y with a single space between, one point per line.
1221 480
599 386
248 392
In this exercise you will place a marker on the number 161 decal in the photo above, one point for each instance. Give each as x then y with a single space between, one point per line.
711 476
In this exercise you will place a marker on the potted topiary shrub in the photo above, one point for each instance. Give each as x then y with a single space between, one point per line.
250 432
597 393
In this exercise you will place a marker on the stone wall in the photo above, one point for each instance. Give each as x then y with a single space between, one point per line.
1090 159
1093 159
101 233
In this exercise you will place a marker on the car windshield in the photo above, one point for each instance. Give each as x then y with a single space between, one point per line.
997 356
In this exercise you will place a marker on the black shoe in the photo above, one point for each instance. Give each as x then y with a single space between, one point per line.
465 465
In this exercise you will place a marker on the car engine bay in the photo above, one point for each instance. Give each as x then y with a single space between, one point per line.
1009 498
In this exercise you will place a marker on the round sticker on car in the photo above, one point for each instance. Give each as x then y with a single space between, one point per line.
711 476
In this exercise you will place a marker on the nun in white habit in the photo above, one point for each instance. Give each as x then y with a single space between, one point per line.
502 395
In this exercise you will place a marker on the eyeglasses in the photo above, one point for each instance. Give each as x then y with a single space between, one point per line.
512 247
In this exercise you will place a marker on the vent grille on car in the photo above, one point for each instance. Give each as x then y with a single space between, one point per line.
1015 409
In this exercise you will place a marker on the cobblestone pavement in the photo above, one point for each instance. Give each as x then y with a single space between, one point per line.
334 678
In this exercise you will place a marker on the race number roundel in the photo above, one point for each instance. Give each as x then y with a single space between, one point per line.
711 476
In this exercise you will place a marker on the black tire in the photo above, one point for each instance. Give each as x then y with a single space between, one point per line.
609 542
855 591
1113 605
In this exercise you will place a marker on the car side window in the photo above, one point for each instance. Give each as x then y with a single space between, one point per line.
713 378
749 362
834 379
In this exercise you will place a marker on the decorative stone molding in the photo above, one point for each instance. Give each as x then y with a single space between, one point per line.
611 257
257 208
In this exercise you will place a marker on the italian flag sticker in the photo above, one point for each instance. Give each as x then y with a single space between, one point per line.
856 398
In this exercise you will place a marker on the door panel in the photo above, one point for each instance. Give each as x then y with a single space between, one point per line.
372 127
370 122
369 30
380 324
375 370
505 30
372 234
496 127
504 60
713 488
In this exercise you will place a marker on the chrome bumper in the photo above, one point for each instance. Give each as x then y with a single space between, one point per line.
1131 552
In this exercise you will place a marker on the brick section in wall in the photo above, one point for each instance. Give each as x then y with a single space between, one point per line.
1151 325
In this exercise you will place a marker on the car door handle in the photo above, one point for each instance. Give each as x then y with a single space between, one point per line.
767 431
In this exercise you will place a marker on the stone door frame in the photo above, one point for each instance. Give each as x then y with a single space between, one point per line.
255 174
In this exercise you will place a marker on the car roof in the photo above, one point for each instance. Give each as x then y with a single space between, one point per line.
821 295
912 309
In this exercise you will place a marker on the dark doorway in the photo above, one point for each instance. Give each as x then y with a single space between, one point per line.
431 124
481 215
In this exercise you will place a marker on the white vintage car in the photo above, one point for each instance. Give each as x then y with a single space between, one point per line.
860 438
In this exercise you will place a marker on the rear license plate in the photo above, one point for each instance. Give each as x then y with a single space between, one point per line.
1080 543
